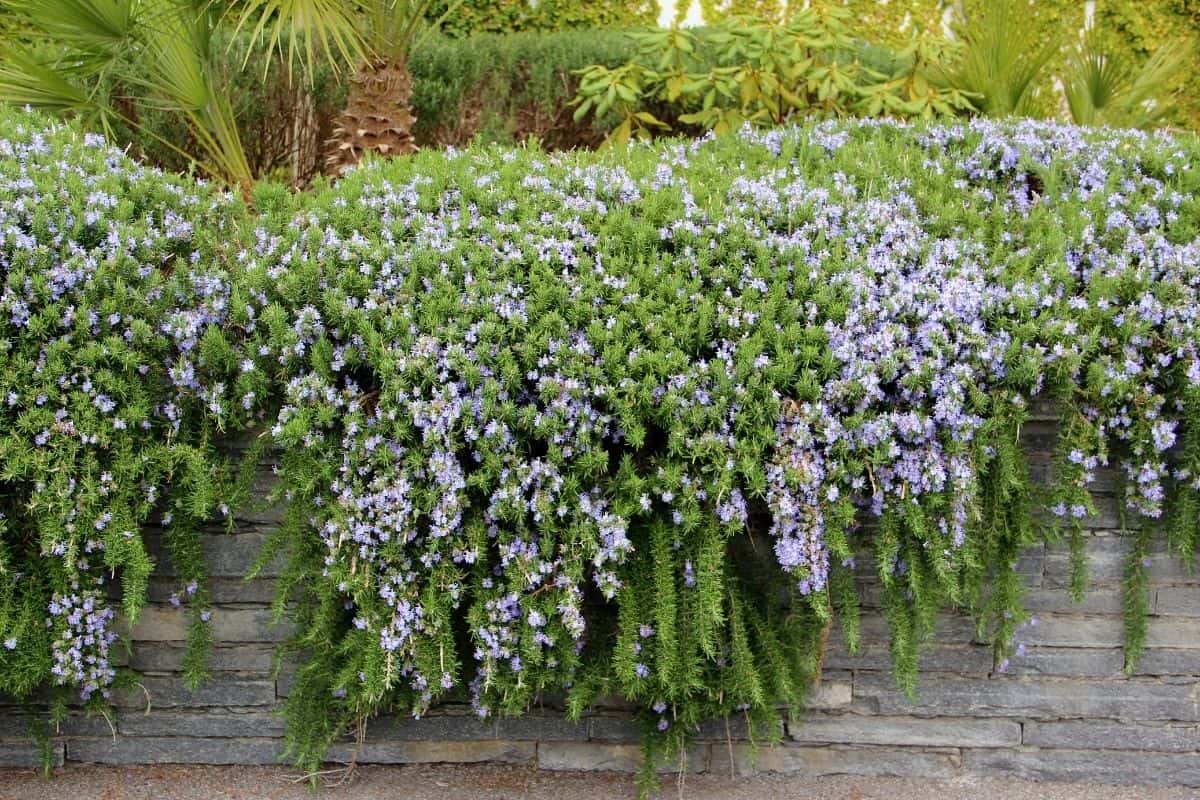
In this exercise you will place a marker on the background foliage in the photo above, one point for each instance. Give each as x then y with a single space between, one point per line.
503 87
507 88
512 16
764 72
493 88
1131 28
268 105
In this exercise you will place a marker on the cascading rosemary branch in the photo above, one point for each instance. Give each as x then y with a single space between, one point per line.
600 424
115 372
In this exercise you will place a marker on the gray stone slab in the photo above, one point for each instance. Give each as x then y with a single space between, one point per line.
605 702
542 728
1168 661
1038 698
261 510
936 657
283 683
174 750
1175 632
1106 516
468 727
14 725
952 629
28 754
616 729
613 757
1107 480
1101 600
165 623
226 555
815 761
870 599
38 698
1106 561
20 725
905 731
168 657
1182 601
220 590
222 724
1042 419
830 693
1081 662
735 728
1100 735
1070 630
432 727
418 752
1098 767
168 692
1031 561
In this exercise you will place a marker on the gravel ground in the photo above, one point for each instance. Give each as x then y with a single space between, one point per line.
458 782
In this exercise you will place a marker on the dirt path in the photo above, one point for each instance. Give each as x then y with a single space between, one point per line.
455 782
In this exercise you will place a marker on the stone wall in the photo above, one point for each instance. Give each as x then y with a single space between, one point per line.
1065 710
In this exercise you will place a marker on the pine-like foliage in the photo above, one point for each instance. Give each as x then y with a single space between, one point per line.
611 424
116 372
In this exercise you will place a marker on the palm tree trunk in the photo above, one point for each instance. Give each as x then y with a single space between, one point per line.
378 116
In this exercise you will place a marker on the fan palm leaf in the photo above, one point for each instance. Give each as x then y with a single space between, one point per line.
303 31
1001 59
26 80
180 78
85 24
1102 88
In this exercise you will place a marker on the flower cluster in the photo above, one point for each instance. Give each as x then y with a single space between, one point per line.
84 624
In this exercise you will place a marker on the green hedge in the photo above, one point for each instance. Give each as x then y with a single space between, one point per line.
514 16
593 423
507 88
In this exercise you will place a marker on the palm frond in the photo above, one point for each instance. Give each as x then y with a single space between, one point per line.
304 31
85 24
26 80
1102 88
1001 59
396 26
179 78
1093 81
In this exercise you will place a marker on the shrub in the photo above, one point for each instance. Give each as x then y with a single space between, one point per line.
766 73
596 424
517 16
1129 31
607 424
115 373
507 88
